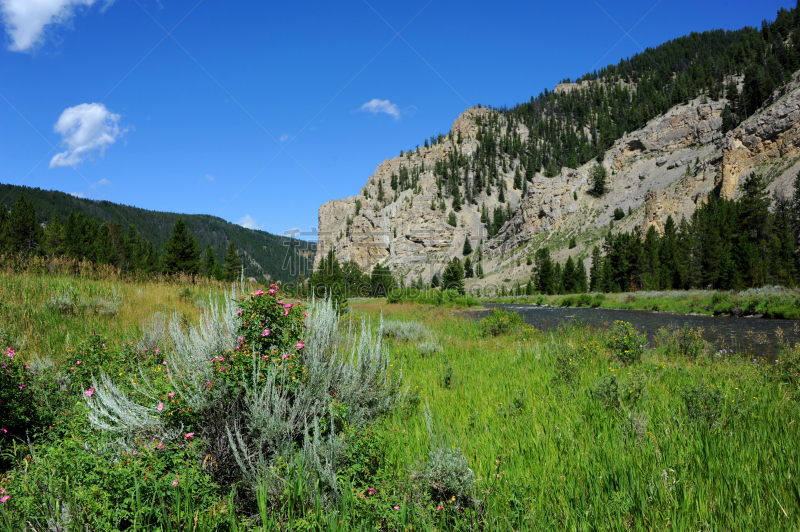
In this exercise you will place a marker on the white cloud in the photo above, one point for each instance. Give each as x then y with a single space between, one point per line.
77 194
284 137
104 181
249 222
85 129
25 20
376 106
210 177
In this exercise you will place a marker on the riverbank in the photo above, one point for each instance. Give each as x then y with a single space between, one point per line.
767 302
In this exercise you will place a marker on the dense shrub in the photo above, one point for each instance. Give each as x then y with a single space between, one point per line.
703 403
686 341
501 322
626 342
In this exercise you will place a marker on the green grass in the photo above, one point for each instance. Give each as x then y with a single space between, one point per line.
550 456
768 302
559 433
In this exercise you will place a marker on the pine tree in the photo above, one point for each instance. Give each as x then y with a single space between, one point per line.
596 271
544 276
597 176
210 266
581 283
453 276
568 279
517 179
468 272
328 281
233 264
381 194
381 281
451 219
22 233
53 238
181 253
435 280
467 249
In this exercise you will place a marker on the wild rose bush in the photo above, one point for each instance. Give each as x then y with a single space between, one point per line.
270 329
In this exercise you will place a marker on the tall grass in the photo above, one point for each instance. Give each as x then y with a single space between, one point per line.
550 455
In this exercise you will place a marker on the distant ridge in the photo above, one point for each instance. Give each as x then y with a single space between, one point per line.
264 255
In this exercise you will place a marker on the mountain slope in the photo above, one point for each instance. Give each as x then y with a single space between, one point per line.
264 255
516 179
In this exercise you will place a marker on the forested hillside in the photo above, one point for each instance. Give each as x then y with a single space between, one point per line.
261 253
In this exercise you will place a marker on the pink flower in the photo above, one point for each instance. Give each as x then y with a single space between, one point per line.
285 312
265 333
300 345
209 382
288 305
89 392
21 386
171 395
305 315
4 431
160 407
4 498
396 507
164 363
258 293
286 355
135 453
238 312
372 491
189 435
154 350
272 291
438 508
78 363
175 483
273 285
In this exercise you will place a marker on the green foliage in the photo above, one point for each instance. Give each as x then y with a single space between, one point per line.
703 403
453 276
451 219
685 341
181 253
75 229
597 177
619 214
233 264
626 342
501 322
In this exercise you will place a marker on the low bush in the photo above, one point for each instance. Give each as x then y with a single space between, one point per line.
685 341
627 343
405 331
428 348
501 322
598 299
703 403
584 300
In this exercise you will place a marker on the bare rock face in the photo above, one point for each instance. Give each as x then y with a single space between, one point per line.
766 136
548 204
658 206
680 127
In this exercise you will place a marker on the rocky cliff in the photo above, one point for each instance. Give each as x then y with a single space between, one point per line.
667 168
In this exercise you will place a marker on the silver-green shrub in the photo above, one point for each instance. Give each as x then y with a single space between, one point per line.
405 331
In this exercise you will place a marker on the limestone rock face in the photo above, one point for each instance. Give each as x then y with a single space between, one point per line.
680 127
658 206
548 204
766 136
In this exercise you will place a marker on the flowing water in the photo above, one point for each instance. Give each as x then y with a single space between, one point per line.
745 336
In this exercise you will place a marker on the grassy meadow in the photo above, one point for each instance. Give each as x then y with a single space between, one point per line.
570 429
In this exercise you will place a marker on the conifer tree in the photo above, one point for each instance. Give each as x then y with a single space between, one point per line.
597 176
22 233
181 253
451 219
468 272
453 276
381 281
467 249
53 238
435 280
545 277
210 266
233 264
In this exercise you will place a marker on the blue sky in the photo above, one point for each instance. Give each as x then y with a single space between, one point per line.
259 112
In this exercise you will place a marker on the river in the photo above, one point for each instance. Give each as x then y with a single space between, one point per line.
744 336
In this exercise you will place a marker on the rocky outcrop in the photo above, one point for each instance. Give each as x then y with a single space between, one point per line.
681 127
548 204
658 206
769 135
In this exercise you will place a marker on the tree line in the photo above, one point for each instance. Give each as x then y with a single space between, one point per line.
80 237
726 245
